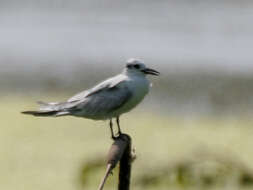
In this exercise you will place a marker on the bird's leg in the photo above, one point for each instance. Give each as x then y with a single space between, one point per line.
119 131
111 127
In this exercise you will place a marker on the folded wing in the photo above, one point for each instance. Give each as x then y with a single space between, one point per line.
102 101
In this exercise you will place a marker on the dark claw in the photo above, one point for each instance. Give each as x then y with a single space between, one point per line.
111 127
119 133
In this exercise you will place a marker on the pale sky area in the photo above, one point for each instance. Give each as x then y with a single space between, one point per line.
182 33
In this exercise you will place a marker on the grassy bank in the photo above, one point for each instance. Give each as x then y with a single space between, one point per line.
172 152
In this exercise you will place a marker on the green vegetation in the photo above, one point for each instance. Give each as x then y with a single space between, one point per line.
172 152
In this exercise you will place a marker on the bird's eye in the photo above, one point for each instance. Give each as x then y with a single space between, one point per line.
137 66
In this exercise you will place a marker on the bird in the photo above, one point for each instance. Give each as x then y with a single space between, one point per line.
107 100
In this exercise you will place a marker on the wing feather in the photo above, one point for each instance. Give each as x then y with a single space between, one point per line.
103 102
105 85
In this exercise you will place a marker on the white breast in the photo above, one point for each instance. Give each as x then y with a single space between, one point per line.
139 86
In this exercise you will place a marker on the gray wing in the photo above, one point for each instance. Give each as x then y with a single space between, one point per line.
105 85
103 98
103 102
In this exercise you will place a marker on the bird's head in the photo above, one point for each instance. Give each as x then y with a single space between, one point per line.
137 67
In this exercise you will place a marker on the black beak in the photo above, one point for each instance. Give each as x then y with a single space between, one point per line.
150 71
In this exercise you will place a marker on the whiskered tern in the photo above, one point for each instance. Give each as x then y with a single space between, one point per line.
107 100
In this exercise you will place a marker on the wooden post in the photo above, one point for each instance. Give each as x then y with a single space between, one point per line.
125 167
119 151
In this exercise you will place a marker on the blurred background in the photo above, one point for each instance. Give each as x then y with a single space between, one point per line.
194 129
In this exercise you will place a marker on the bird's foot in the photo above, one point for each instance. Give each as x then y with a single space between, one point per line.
119 133
117 136
113 137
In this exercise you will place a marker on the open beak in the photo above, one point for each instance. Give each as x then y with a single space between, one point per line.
150 71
